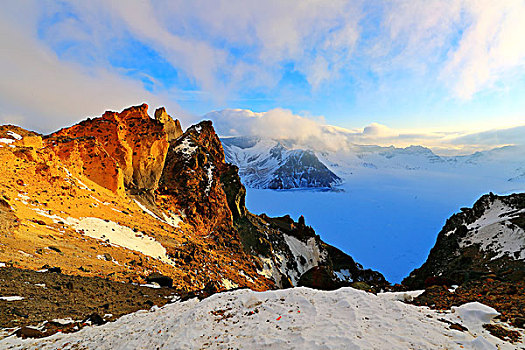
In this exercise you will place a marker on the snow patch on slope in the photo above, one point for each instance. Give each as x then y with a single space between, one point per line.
271 269
14 135
186 148
6 141
494 232
306 255
12 298
209 174
228 284
172 220
119 235
146 210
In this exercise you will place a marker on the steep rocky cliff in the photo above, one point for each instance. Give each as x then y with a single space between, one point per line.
125 195
485 240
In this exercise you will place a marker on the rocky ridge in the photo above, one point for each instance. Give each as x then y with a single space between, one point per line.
485 240
125 195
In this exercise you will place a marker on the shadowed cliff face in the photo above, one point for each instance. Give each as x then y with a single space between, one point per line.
125 195
192 177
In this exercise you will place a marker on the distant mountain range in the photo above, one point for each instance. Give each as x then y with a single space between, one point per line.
282 164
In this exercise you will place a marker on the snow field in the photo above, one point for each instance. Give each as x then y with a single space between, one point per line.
298 318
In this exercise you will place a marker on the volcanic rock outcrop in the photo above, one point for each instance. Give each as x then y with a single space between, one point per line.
136 142
487 240
125 196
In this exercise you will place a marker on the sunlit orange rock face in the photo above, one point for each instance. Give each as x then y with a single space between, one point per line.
85 155
136 142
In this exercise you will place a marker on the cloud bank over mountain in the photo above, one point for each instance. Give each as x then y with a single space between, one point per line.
315 133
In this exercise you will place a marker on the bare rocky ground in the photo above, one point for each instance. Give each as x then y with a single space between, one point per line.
49 296
508 298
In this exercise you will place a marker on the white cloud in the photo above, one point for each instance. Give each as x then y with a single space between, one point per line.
226 47
309 132
379 130
482 41
413 33
222 45
277 124
492 46
496 137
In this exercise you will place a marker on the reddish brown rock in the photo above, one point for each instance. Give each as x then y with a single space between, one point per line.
86 156
136 142
191 177
144 177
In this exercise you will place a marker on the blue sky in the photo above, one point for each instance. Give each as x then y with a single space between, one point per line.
412 66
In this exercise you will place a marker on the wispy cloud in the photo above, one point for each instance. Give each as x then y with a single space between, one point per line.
491 47
508 136
473 44
41 92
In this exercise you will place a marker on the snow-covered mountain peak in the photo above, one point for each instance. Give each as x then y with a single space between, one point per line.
276 164
282 163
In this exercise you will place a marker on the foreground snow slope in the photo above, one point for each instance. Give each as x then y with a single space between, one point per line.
298 318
